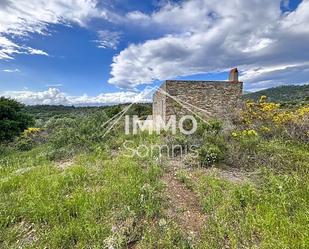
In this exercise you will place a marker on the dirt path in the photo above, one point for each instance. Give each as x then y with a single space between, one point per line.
183 205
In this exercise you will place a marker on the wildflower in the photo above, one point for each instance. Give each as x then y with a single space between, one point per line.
250 104
269 107
31 131
263 98
303 111
249 133
265 129
252 133
162 222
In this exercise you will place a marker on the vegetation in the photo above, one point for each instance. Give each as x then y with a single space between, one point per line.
13 120
66 183
270 215
45 203
268 210
289 95
44 112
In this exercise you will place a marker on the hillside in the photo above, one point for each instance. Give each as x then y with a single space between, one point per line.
45 112
283 94
78 180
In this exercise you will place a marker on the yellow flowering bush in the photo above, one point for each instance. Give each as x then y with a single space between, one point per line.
303 111
268 118
259 111
265 129
31 131
283 118
246 141
244 133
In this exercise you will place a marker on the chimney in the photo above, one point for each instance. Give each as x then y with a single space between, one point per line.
233 77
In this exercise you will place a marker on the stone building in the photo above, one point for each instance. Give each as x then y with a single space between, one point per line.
209 99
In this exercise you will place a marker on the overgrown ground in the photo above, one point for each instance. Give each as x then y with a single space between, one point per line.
65 185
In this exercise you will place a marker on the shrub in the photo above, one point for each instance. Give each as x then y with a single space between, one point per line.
177 143
247 139
191 160
269 119
212 127
12 119
75 135
24 143
209 138
210 154
113 110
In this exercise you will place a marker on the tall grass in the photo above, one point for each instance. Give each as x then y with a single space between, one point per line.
270 212
99 201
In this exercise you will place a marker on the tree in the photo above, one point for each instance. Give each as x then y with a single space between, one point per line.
13 119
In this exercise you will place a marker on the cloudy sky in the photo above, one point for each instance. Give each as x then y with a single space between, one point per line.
88 52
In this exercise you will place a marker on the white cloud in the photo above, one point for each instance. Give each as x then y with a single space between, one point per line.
8 48
108 39
16 70
264 77
200 36
194 36
37 51
54 96
297 21
23 18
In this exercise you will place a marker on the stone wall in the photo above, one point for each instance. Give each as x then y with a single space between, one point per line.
210 99
159 102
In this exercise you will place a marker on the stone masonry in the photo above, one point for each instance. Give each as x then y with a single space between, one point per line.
209 99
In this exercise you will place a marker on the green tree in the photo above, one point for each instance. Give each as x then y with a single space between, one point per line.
13 119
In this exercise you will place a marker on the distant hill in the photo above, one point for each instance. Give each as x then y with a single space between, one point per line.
291 94
45 112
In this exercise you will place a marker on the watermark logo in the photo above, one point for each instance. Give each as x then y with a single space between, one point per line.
174 125
187 124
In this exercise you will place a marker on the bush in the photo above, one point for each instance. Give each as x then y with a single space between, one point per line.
29 138
113 110
213 145
247 140
212 127
4 150
24 143
210 154
191 160
75 135
13 120
270 119
177 144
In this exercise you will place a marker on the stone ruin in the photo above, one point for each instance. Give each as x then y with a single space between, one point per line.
209 99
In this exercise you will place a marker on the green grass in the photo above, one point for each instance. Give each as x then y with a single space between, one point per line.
85 205
165 234
106 199
184 178
270 212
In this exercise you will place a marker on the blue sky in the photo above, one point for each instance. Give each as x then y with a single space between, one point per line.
88 52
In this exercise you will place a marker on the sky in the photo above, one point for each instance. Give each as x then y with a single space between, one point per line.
98 52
